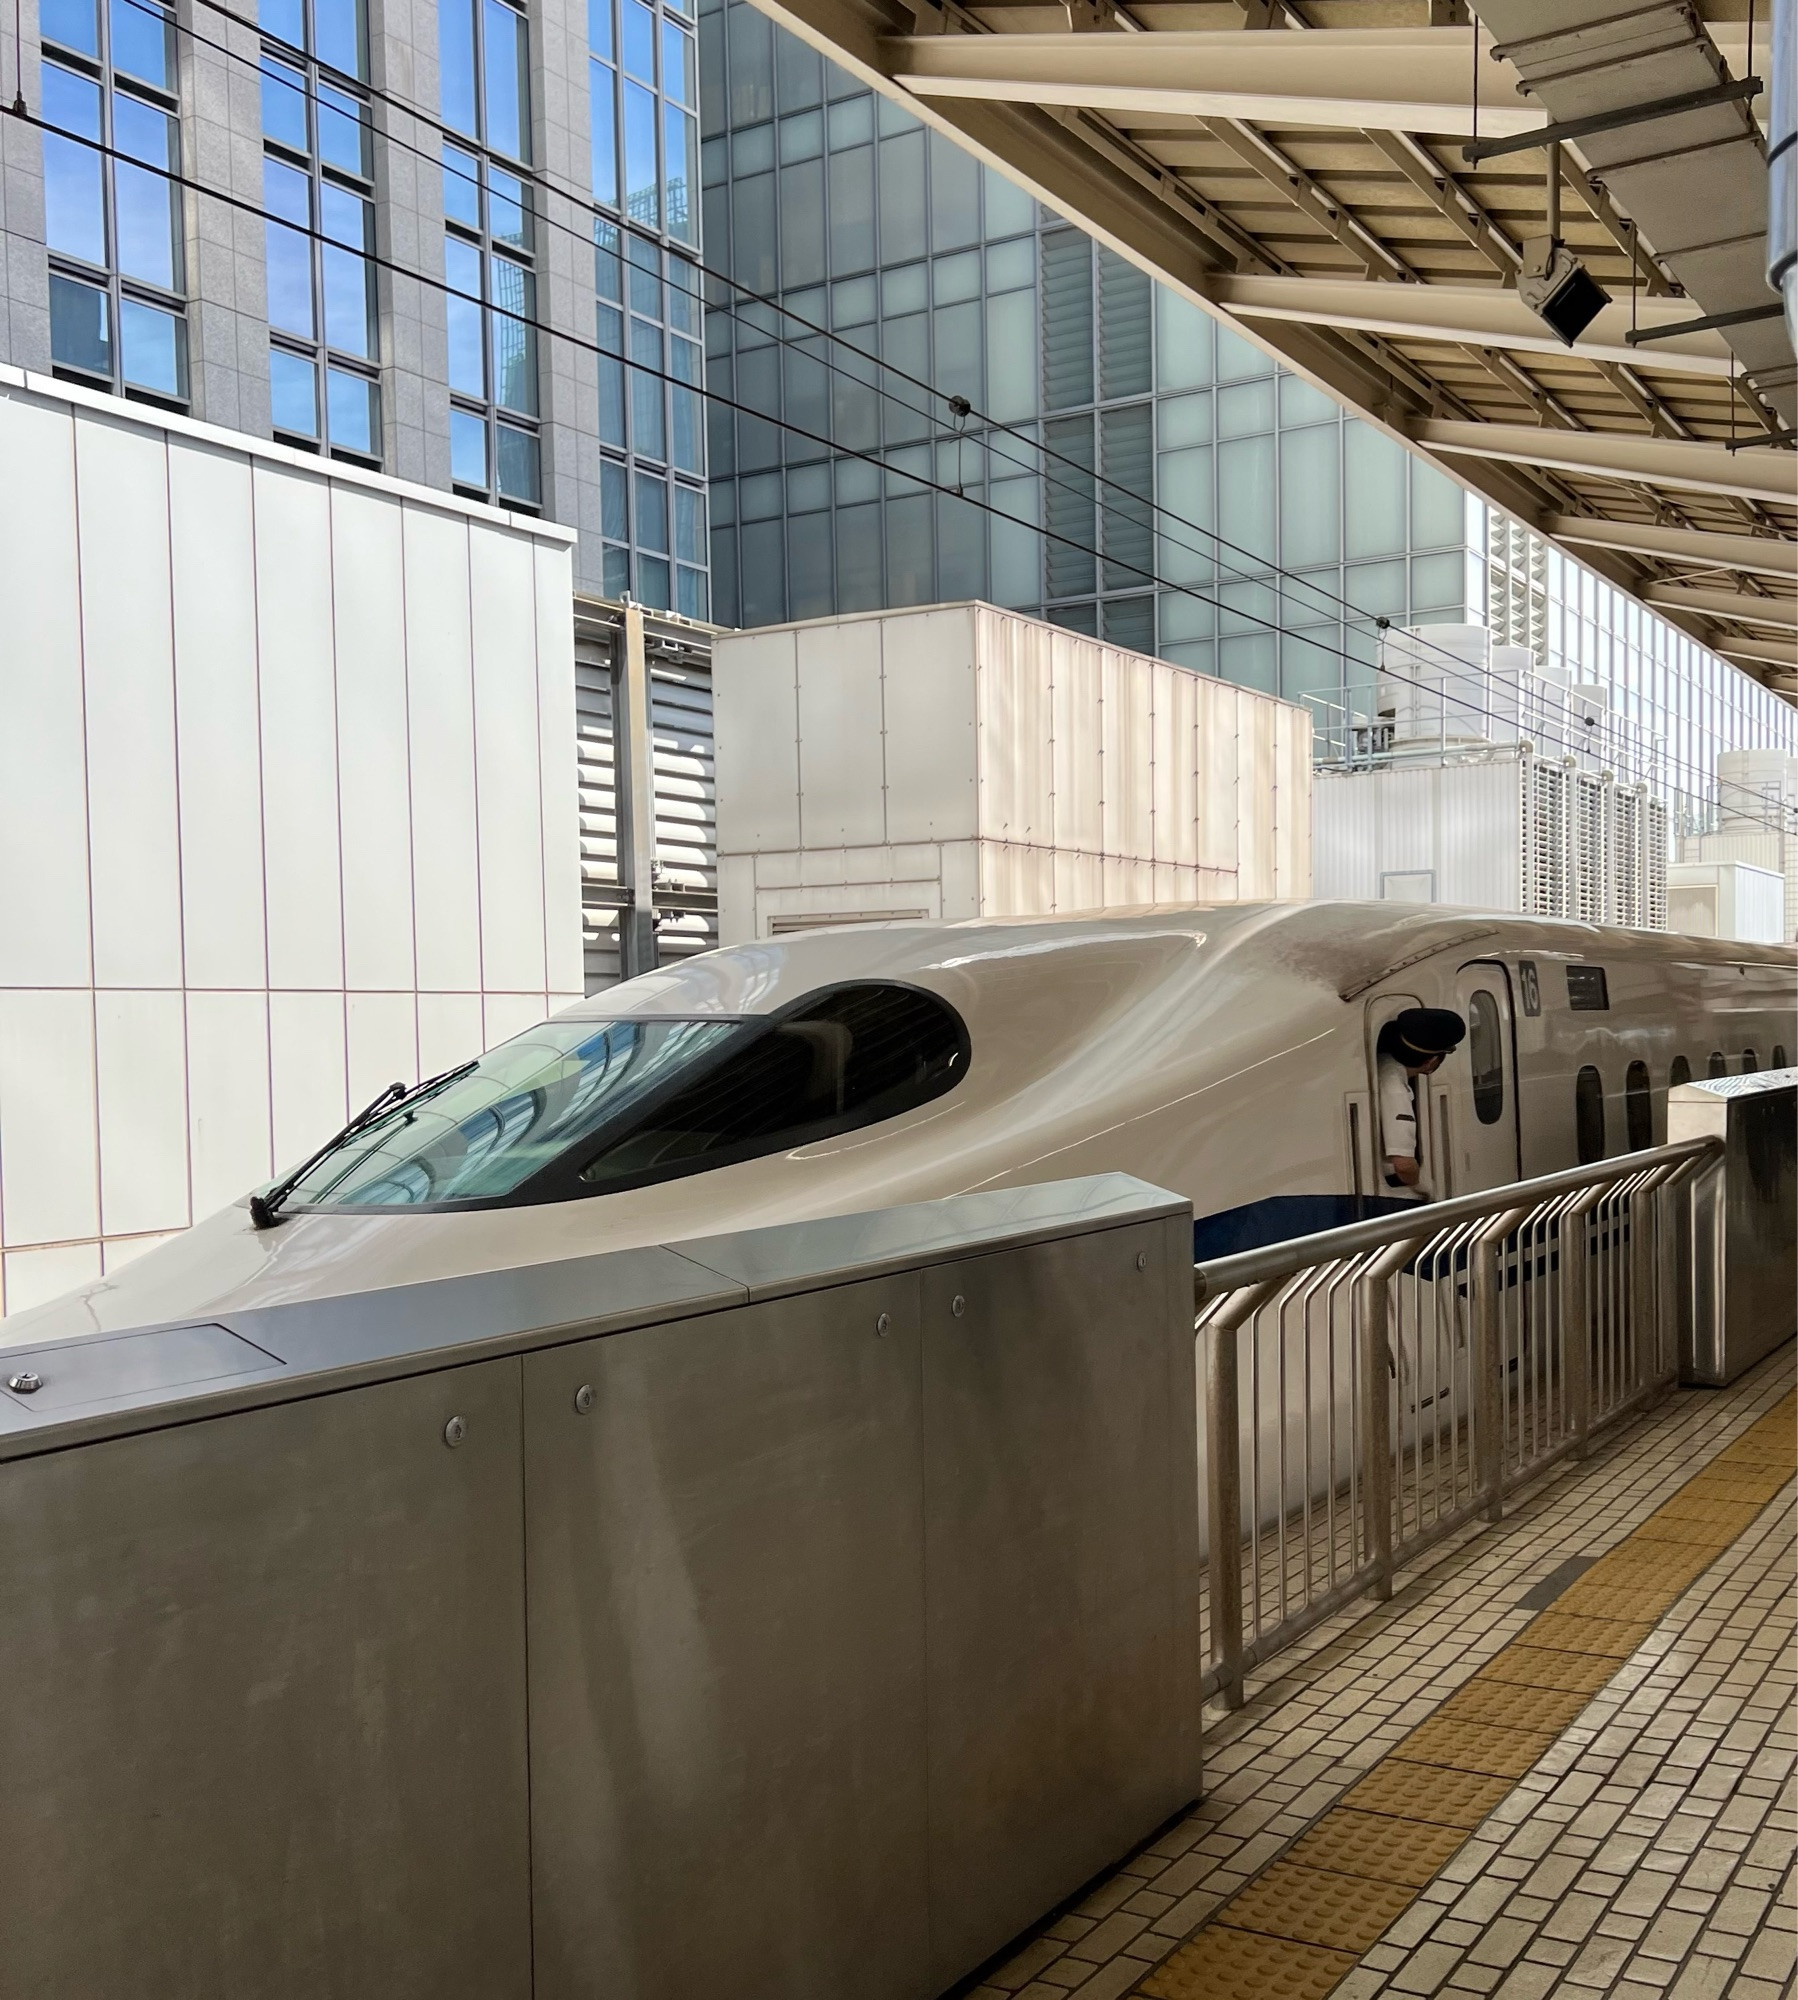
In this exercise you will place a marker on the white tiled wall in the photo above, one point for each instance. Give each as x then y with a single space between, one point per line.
287 811
963 761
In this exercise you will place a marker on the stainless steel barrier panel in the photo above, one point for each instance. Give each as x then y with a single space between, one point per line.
1371 1388
800 1613
1743 1297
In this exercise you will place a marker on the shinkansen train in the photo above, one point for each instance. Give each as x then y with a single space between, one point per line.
1226 1052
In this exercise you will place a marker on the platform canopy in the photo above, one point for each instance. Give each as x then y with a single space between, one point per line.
1355 186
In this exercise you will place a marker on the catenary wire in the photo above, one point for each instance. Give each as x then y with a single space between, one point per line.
1441 690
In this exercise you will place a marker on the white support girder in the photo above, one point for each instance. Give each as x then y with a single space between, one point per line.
1480 315
1753 555
1764 652
1779 613
1676 462
1365 79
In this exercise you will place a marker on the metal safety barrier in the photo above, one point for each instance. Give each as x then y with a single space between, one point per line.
1371 1388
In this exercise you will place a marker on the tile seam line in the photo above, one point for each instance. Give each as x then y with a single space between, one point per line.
1760 1424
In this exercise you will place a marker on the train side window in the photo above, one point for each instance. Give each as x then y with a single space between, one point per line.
1779 1055
1750 1063
1638 1107
1681 1072
1588 1114
1486 1053
1717 1066
1588 992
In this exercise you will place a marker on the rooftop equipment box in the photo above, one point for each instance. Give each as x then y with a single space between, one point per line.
1726 899
962 761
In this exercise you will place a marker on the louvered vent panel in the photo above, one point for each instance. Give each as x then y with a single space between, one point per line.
1626 860
1067 319
1654 844
1590 858
686 811
1547 871
598 781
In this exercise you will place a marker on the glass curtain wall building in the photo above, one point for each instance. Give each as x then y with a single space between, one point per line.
1130 469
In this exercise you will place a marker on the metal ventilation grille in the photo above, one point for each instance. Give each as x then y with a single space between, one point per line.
1626 855
1591 857
1654 844
686 872
1545 875
1516 586
597 776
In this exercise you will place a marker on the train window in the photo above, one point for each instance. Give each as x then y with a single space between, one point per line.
572 1108
1638 1107
851 1057
1779 1055
1717 1066
1681 1072
1486 1053
1749 1063
1587 991
1588 1114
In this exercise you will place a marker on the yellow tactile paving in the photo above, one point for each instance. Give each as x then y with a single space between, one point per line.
1377 1846
1511 1705
1225 1964
1611 1638
1295 1931
1428 1793
1316 1906
1536 1666
1473 1746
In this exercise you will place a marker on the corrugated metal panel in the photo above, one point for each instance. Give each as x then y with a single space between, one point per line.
601 893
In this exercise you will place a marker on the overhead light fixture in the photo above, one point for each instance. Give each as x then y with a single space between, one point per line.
1553 283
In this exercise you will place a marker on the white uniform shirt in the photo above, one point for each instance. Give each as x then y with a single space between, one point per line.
1398 1112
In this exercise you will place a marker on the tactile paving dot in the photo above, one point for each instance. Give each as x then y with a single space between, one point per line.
1428 1792
1225 1964
1727 1517
1740 1486
1614 1638
1657 1562
1411 1851
1665 1527
1510 1706
1534 1666
1475 1746
1316 1906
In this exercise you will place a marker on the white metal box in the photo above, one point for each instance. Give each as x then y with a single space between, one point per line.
1726 899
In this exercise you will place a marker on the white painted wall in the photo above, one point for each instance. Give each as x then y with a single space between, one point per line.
287 810
961 761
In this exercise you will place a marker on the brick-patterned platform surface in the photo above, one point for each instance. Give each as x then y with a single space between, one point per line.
1643 1847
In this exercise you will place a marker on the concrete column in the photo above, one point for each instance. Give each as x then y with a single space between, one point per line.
24 273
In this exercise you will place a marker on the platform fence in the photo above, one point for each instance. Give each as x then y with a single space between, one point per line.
1370 1389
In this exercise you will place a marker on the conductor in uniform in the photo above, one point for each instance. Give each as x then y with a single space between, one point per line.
1412 1044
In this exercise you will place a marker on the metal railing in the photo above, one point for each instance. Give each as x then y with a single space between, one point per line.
1370 1389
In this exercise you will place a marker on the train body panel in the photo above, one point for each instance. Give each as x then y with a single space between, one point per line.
1223 1052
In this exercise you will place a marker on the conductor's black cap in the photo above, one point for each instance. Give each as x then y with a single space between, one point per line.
1428 1031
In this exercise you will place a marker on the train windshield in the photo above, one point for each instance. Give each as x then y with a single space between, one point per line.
579 1108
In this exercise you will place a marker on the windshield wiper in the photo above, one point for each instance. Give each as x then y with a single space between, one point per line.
265 1209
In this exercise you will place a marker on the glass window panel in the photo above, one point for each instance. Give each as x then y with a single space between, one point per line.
893 118
680 64
610 328
461 188
639 41
1011 358
652 513
1438 508
1436 582
516 464
349 303
1183 336
958 344
599 28
285 19
690 593
75 24
683 296
615 572
1009 210
752 152
345 217
904 291
514 339
852 211
352 404
71 103
611 402
758 388
642 195
653 582
608 275
152 349
953 279
646 278
508 99
801 138
1374 471
798 74
342 131
614 501
603 110
689 430
293 392
468 449
1302 404
752 234
852 303
954 195
1016 546
80 326
858 559
1237 361
143 42
283 105
467 363
1245 408
714 162
680 143
1184 419
1011 265
1310 496
751 66
802 223
759 497
455 54
1245 481
74 206
287 193
647 425
851 123
342 40
902 232
508 211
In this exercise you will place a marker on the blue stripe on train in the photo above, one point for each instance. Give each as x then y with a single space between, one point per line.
1280 1217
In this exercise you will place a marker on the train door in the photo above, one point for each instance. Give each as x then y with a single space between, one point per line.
1480 1081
